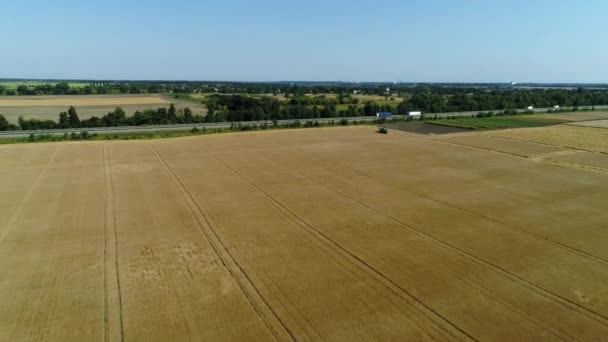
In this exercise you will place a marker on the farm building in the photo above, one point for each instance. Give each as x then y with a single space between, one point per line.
415 115
384 115
555 107
530 107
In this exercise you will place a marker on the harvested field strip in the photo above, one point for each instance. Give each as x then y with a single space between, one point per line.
285 200
337 271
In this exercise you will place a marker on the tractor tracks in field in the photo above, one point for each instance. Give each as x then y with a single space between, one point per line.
488 293
113 307
30 192
427 312
538 157
557 298
511 227
265 312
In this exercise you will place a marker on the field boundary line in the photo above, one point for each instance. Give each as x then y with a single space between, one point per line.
547 144
113 312
426 311
271 319
17 212
576 165
598 317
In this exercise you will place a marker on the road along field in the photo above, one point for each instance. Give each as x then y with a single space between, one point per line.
49 107
313 234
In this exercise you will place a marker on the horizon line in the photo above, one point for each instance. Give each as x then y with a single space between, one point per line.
16 79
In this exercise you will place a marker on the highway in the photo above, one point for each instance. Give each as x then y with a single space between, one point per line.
219 125
171 128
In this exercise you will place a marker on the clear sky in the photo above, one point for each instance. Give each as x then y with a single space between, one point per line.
262 40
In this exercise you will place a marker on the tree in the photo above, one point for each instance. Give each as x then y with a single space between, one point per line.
4 125
73 118
62 88
115 118
172 114
188 115
162 116
124 88
23 90
64 121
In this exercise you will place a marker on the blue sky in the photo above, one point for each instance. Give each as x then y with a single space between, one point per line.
432 40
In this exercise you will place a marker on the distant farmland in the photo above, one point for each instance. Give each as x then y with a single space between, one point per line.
13 85
49 107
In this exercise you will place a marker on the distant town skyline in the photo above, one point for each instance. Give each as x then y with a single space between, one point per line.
538 41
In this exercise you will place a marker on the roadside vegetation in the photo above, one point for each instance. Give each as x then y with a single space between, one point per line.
235 127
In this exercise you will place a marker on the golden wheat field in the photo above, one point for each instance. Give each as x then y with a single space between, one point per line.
336 234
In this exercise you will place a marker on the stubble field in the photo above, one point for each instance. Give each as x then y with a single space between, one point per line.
315 234
49 107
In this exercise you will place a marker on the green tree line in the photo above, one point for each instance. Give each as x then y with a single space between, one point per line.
235 108
118 117
439 102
